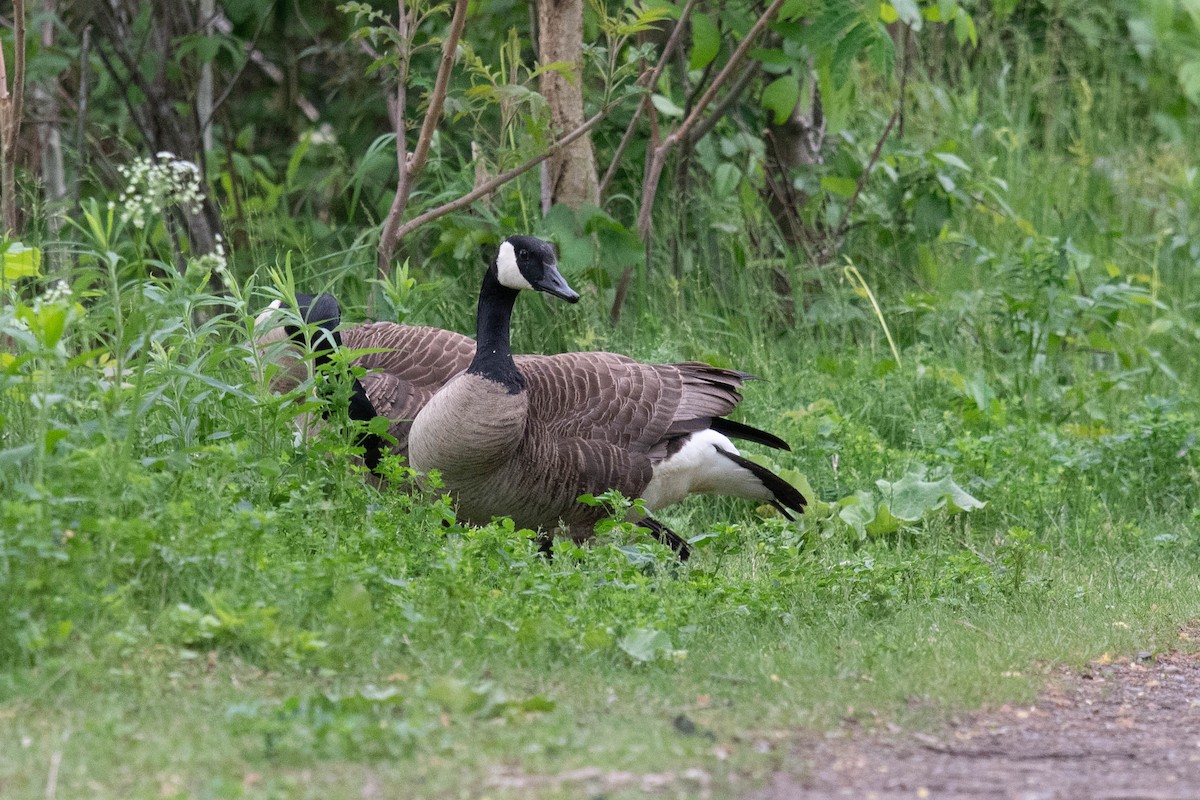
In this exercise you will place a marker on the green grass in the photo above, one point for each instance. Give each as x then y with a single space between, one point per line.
186 636
130 718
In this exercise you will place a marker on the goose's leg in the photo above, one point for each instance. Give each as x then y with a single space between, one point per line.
667 536
545 543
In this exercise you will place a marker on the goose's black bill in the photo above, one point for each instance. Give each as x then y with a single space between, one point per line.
552 282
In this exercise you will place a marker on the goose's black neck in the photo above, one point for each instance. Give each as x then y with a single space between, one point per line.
493 321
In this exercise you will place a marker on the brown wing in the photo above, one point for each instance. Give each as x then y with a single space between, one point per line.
600 421
415 363
613 398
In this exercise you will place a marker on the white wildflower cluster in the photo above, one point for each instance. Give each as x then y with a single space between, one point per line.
56 293
323 134
214 261
155 184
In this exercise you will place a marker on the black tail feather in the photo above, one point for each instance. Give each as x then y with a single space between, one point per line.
786 495
740 430
668 537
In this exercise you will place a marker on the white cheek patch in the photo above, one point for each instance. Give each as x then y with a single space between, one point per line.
265 317
507 270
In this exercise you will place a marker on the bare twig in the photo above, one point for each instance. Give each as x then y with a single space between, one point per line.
659 156
648 81
269 68
438 98
55 765
225 26
904 52
392 231
705 126
52 774
495 183
840 229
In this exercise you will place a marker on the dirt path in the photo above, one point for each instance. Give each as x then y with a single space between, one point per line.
1128 730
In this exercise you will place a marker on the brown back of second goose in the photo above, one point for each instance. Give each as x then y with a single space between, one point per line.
415 362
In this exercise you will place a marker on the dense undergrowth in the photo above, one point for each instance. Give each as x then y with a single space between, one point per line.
1001 464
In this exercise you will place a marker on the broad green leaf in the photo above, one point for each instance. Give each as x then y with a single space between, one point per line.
884 522
21 262
773 60
843 187
930 214
849 47
666 106
780 96
706 41
538 703
857 511
352 606
620 246
645 644
830 26
1189 80
952 160
456 696
597 639
816 508
911 498
795 9
964 29
726 179
1192 7
52 322
53 437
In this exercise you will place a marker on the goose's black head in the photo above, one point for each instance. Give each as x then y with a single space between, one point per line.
274 326
526 262
324 312
315 323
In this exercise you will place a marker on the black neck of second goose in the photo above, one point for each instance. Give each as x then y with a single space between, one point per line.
493 322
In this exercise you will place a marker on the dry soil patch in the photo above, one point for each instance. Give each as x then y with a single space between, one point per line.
1128 730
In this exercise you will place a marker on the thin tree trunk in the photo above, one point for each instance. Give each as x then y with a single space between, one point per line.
85 56
54 181
570 173
204 87
794 145
10 120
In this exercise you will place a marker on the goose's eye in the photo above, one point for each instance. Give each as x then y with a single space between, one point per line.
524 254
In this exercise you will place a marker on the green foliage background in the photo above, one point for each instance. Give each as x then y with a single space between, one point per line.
989 383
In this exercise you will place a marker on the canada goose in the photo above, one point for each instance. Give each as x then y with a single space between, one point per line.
412 362
525 438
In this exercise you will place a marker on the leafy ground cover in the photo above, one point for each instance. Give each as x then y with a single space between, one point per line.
242 617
